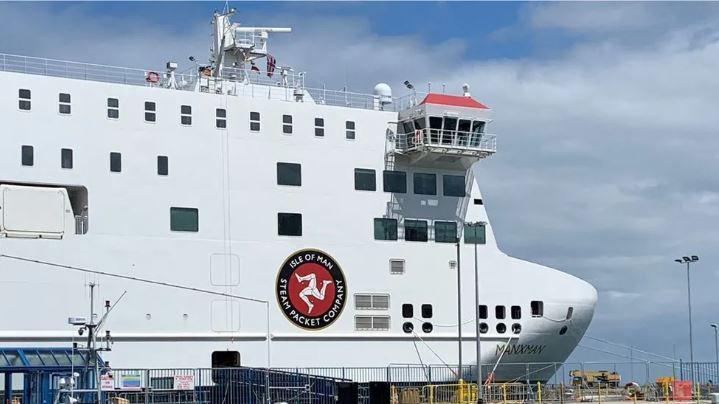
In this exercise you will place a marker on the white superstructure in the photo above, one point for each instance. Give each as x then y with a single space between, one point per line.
214 179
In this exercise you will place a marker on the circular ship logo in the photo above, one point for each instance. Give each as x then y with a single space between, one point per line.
311 289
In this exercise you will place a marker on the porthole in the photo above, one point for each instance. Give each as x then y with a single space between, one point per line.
501 328
483 328
427 327
563 330
408 327
516 328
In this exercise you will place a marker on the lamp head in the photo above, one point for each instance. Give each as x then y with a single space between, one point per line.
686 259
695 258
678 260
714 325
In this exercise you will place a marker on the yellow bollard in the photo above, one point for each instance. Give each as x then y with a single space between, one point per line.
666 392
699 392
539 392
461 391
431 394
504 393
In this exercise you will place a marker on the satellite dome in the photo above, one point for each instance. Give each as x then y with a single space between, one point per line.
384 92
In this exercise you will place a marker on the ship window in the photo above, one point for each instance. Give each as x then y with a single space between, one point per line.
478 201
64 103
255 121
570 311
445 232
537 308
483 311
516 312
408 327
113 108
420 123
24 99
289 224
365 179
483 328
185 115
66 158
395 181
407 127
465 125
407 310
287 124
425 184
427 327
501 328
371 301
435 122
478 127
453 185
319 127
385 229
500 312
225 359
27 155
450 124
563 330
115 162
516 328
150 111
350 129
184 219
415 230
162 165
475 234
289 174
396 267
427 311
372 323
220 118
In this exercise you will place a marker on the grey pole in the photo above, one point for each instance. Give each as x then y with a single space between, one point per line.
716 347
691 337
459 311
476 325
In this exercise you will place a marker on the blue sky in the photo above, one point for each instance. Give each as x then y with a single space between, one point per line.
605 115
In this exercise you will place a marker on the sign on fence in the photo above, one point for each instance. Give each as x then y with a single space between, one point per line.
131 381
184 382
107 382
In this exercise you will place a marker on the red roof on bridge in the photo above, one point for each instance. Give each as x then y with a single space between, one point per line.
453 100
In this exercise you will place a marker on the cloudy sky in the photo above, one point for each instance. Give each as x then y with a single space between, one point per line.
607 116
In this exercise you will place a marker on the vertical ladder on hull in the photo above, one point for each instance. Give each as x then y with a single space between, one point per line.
389 156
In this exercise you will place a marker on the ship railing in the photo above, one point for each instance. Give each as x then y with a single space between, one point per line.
284 84
447 141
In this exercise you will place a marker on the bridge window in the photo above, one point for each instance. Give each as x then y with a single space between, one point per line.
255 121
24 99
287 124
516 312
425 184
365 179
184 219
27 155
537 308
475 234
415 230
162 165
319 127
395 181
500 312
350 130
445 232
371 301
427 311
407 310
385 229
150 111
478 127
64 103
372 323
483 311
220 118
185 115
465 126
289 224
66 158
113 108
289 174
453 185
501 328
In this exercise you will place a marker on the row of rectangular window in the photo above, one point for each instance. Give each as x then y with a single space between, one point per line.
150 113
500 312
27 158
417 230
408 310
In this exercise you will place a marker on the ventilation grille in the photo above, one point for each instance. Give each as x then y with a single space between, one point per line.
372 323
371 302
396 267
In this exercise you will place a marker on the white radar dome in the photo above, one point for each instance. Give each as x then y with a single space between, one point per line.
384 92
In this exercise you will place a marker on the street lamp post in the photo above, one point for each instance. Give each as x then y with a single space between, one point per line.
688 260
477 239
459 311
716 347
